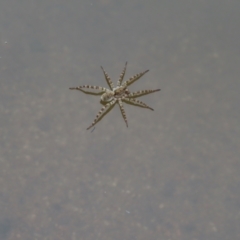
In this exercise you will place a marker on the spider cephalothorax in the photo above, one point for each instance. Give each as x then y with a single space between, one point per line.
117 94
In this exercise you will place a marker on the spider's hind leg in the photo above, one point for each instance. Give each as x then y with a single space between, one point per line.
103 111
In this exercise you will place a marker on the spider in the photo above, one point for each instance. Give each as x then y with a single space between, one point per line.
118 94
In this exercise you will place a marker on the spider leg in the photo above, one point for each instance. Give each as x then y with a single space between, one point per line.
108 79
142 92
122 111
134 78
136 102
119 82
100 114
84 88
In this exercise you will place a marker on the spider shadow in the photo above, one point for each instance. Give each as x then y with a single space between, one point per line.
91 93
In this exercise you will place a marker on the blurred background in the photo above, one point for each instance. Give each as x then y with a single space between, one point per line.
173 173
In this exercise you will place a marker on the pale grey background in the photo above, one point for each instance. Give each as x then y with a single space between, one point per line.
173 174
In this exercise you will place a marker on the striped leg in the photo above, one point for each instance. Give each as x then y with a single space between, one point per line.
136 102
122 75
101 113
142 92
135 78
122 111
108 79
84 87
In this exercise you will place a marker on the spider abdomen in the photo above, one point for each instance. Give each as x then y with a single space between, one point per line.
107 96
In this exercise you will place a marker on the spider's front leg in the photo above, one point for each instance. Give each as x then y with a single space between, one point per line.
85 88
119 82
102 111
108 79
134 78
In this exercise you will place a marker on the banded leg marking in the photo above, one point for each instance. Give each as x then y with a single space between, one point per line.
101 112
137 103
108 79
135 78
119 82
122 111
142 92
84 87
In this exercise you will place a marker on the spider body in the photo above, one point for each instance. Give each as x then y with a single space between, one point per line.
121 91
118 94
107 96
